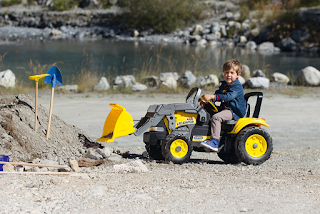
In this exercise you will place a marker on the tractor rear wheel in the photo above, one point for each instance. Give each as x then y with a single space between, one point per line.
253 145
176 148
154 152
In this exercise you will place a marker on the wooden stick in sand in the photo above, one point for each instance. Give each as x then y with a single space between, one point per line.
34 164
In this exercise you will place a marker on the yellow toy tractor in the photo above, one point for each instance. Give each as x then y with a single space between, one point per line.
172 131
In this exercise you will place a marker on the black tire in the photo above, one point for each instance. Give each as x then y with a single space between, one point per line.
176 148
253 145
154 152
230 156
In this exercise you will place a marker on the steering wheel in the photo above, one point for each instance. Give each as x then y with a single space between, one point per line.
196 93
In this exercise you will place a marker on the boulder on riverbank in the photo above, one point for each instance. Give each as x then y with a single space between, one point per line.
7 79
308 76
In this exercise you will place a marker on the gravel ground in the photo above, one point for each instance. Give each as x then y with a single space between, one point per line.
287 183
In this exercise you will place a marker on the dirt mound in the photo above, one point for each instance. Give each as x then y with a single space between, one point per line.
19 140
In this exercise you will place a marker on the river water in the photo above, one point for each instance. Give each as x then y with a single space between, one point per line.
113 57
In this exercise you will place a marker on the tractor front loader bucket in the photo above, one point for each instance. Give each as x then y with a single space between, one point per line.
118 123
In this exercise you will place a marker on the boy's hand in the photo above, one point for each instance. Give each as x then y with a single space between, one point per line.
206 97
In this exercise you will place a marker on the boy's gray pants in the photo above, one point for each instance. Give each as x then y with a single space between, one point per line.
216 121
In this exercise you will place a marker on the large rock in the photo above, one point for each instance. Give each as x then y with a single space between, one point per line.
258 82
281 78
215 27
266 47
102 85
164 76
245 72
308 76
197 30
241 80
251 46
187 79
151 81
288 44
125 81
170 82
258 73
139 87
7 79
208 80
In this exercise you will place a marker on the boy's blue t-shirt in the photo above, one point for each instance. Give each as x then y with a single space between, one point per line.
232 97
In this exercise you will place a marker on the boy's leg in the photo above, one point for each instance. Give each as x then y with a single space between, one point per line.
216 121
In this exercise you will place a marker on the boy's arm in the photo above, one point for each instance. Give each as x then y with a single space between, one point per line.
231 94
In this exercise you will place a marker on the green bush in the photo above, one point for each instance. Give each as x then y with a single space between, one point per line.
61 5
163 16
6 3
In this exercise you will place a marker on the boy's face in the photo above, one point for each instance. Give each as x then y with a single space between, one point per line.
230 75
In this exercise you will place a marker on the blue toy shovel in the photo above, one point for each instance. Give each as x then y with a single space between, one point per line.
54 78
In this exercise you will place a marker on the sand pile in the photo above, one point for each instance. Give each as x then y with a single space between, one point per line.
19 140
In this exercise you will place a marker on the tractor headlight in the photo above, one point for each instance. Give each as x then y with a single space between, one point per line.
156 129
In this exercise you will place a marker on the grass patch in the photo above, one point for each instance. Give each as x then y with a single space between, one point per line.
7 3
162 16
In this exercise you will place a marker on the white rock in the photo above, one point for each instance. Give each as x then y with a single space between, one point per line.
245 72
266 47
170 83
139 87
125 81
102 85
241 80
105 152
7 167
251 46
135 33
308 76
133 166
115 158
7 79
187 79
74 165
243 39
91 153
258 73
209 80
165 75
197 30
281 78
255 32
56 32
258 82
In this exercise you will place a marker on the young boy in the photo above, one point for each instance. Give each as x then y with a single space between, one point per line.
231 96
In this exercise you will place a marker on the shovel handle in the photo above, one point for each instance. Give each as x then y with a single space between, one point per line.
33 164
36 108
50 112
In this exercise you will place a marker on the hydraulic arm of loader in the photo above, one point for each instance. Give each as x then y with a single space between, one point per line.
120 123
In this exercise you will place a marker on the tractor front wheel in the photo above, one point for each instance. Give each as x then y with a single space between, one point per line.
253 145
176 148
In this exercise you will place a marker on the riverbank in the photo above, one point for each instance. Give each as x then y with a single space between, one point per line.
223 27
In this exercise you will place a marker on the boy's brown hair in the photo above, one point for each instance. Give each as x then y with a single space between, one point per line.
232 63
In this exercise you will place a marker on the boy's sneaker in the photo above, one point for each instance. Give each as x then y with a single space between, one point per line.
212 144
